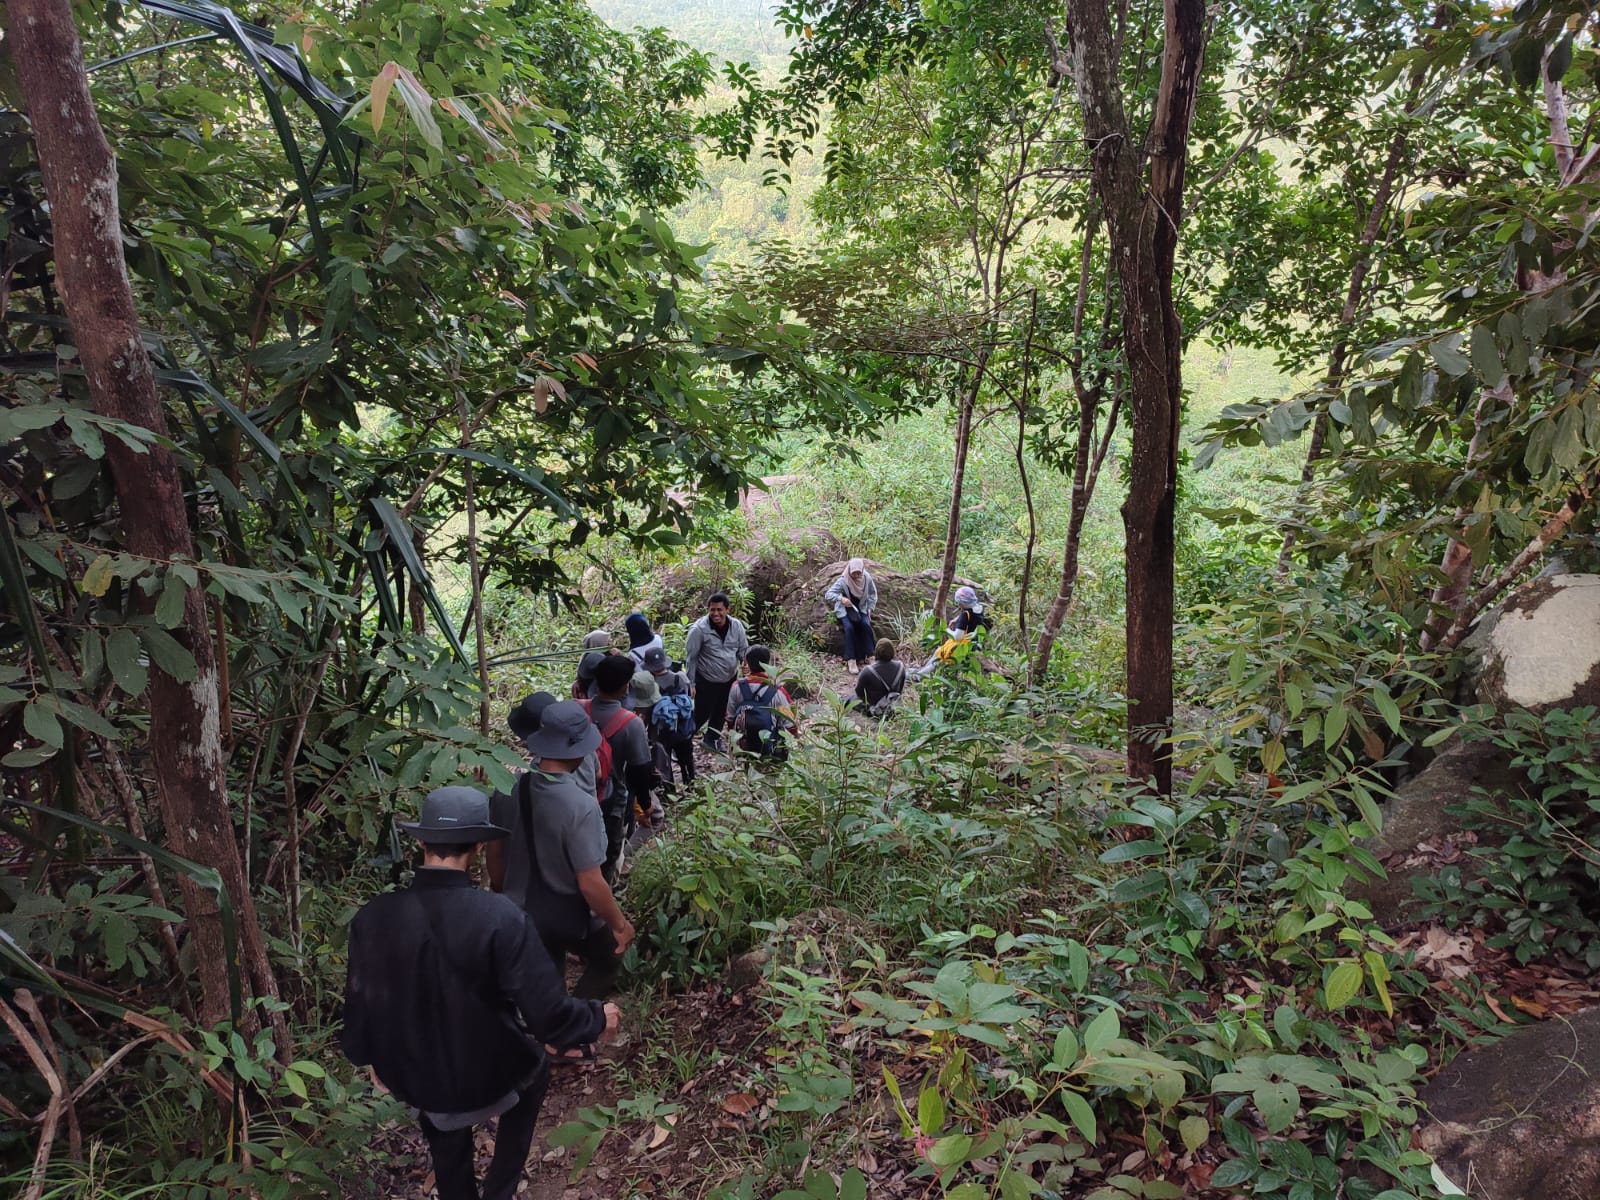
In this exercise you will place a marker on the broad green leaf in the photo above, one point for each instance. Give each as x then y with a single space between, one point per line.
930 1111
1194 1132
98 575
1066 1048
1278 1104
1343 984
1102 1031
122 656
1486 357
1080 1114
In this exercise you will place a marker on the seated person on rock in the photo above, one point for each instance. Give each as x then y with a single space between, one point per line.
970 617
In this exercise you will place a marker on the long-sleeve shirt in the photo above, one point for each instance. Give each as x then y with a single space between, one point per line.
840 588
715 655
451 996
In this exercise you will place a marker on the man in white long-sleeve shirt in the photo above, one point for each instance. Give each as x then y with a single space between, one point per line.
717 645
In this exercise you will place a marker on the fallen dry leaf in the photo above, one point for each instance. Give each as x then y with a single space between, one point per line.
1532 1007
1494 1007
740 1103
663 1130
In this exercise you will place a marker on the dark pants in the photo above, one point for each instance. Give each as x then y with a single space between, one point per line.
711 704
601 962
453 1154
664 753
859 641
617 813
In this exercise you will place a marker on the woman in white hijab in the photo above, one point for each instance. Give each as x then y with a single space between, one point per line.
854 596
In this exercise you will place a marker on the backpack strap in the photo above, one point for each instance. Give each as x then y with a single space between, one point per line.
612 726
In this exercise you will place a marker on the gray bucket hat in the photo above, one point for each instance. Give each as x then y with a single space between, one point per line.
655 660
588 664
565 731
455 816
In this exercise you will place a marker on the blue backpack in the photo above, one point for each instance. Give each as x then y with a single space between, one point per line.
672 718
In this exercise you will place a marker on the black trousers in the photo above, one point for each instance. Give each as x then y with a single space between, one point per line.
453 1154
601 962
711 704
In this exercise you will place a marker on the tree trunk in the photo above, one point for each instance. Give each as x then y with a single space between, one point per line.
1142 213
80 178
952 533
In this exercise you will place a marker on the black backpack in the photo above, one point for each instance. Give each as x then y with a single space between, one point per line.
756 719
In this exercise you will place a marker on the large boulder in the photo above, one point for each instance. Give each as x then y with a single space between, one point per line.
1520 1119
1418 835
1541 649
902 599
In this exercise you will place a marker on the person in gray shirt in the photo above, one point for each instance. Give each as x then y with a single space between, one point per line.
552 863
715 651
633 772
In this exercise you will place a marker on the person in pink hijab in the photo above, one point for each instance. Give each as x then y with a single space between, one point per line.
854 596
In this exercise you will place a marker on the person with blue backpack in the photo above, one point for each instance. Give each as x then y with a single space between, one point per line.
759 710
671 719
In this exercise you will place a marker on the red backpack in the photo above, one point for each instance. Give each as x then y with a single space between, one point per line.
602 754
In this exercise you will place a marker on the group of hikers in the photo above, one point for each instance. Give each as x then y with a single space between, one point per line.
455 999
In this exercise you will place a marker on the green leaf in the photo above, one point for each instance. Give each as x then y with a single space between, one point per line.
1447 353
853 1185
930 1112
948 1151
98 575
1126 851
1343 984
1080 1114
168 654
1232 1173
41 720
122 656
169 609
1066 1048
1278 1104
1194 1132
1486 357
1102 1031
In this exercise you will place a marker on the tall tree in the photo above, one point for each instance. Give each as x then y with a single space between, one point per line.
1138 180
80 179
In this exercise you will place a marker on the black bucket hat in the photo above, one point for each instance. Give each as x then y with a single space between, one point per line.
455 816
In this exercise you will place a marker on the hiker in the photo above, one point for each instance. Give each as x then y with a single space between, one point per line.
641 637
644 693
879 686
553 865
632 774
760 710
854 595
583 684
970 617
671 720
451 1001
717 645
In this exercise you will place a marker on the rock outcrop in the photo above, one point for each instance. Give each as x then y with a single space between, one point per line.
1418 834
902 599
1520 1119
1541 649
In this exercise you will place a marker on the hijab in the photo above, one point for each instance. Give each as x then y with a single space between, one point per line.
639 632
855 577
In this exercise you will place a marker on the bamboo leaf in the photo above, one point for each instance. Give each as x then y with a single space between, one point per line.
398 532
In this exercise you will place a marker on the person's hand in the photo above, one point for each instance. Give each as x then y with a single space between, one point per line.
623 936
377 1084
846 601
693 692
613 1023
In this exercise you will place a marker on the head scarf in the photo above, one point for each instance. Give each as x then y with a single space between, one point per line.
966 597
598 640
855 577
639 631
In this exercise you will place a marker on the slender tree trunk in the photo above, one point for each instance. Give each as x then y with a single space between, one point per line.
1354 298
1085 475
80 178
952 533
1022 467
1142 214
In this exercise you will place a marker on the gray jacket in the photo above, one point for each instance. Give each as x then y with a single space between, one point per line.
714 658
869 596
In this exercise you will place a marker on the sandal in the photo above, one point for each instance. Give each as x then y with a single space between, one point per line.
576 1056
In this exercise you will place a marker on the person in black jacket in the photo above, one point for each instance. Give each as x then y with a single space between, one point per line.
451 1000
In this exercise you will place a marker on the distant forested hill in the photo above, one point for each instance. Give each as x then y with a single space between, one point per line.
741 30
